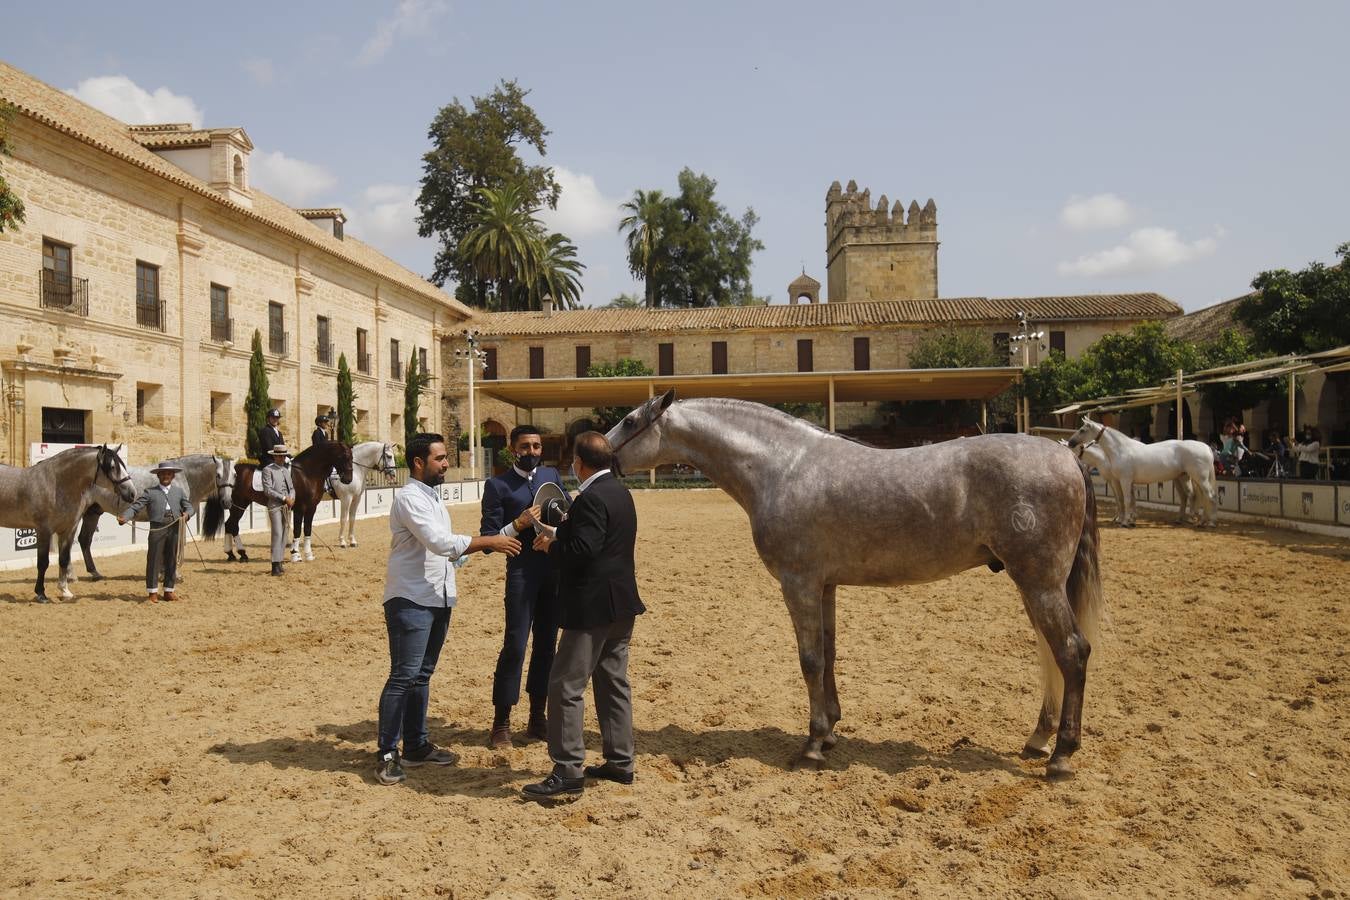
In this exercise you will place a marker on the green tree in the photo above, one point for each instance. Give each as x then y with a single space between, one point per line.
11 207
1300 312
557 272
953 348
500 246
346 403
625 301
606 417
643 228
257 402
1231 398
687 248
415 381
472 150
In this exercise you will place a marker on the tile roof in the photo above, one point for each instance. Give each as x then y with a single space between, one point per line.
1207 324
179 135
872 313
62 112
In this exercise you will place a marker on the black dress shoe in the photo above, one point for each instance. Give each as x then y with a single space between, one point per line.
554 787
609 772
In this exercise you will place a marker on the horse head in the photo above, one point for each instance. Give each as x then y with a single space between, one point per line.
637 439
1088 433
110 466
224 480
388 465
342 460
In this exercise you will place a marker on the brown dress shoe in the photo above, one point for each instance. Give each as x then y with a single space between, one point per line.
500 738
170 596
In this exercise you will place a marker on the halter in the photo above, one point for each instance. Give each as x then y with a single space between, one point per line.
385 470
1086 444
650 422
103 453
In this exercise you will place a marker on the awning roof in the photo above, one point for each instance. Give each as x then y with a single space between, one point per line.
764 387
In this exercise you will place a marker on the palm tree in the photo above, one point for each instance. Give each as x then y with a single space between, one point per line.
501 245
625 301
644 235
557 271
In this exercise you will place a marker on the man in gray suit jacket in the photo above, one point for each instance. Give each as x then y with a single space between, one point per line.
166 506
279 490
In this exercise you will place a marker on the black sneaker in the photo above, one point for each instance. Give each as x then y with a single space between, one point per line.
387 768
429 755
554 787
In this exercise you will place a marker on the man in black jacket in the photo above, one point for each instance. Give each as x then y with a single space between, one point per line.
598 601
269 436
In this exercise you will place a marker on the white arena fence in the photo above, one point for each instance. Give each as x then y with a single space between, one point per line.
1276 501
18 547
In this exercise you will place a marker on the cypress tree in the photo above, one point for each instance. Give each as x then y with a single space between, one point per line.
412 397
258 400
346 403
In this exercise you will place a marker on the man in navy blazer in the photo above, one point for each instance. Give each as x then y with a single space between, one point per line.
531 588
598 602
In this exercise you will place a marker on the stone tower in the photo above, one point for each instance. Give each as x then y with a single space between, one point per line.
878 253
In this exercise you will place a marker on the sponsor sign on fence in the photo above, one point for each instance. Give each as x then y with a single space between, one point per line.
1311 501
1308 501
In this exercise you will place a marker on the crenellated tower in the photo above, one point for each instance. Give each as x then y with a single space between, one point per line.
881 252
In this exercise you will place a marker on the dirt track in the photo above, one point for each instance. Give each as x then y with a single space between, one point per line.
221 746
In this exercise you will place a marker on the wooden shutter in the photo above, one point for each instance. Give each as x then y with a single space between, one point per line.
719 357
805 356
862 354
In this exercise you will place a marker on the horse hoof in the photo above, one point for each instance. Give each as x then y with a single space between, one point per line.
94 576
1059 769
67 595
829 741
808 763
41 598
309 557
1032 752
243 557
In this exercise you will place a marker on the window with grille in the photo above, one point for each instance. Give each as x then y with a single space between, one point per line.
276 328
149 309
325 345
362 357
395 360
220 314
422 362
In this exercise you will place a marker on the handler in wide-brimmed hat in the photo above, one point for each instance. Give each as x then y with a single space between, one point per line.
279 489
167 506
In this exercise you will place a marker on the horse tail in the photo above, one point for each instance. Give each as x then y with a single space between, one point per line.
212 517
1084 589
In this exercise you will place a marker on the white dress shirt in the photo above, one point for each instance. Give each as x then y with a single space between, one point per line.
422 548
594 475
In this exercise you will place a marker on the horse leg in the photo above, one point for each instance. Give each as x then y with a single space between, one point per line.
309 533
63 544
1120 501
804 605
89 525
351 523
44 542
1181 484
1064 655
832 710
342 520
297 523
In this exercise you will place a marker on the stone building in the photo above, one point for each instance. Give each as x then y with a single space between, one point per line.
805 337
130 295
879 254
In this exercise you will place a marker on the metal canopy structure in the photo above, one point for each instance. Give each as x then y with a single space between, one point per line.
764 387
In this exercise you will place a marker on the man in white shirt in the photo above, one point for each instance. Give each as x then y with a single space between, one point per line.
419 593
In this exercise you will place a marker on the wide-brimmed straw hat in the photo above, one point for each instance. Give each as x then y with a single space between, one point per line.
167 466
279 449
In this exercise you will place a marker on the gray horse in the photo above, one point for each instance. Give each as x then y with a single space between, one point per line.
52 495
205 477
826 511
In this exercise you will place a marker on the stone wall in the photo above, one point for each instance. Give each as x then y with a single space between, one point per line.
879 254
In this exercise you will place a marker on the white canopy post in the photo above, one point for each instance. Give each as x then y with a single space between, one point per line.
1180 434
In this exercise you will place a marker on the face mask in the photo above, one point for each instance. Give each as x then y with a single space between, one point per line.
527 461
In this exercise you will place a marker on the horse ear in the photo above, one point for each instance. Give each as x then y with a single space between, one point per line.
666 399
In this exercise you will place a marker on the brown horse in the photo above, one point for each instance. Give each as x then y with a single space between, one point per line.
309 471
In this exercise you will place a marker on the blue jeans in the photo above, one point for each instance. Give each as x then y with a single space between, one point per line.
416 634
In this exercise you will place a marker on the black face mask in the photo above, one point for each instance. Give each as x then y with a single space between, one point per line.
527 461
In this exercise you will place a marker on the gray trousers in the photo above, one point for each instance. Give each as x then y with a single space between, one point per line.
161 553
276 518
601 653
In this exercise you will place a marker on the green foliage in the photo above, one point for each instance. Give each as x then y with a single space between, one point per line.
11 207
625 301
811 412
508 247
258 400
1300 312
954 348
688 249
606 417
472 150
505 458
346 403
1233 397
415 381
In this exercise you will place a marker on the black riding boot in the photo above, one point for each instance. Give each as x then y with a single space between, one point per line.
277 570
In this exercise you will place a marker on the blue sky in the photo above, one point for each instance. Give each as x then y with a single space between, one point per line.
1070 147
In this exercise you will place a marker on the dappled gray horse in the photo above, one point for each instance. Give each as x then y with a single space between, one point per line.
205 477
52 495
826 511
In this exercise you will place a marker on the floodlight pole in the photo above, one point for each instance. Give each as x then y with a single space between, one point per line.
473 357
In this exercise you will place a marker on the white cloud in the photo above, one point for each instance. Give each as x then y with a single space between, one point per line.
260 70
412 17
1098 211
122 98
293 180
386 216
1145 250
582 208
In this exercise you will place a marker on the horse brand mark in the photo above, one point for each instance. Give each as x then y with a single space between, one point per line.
1023 517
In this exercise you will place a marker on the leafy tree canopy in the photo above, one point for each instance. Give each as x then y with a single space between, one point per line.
606 417
11 207
1300 312
687 248
474 149
954 348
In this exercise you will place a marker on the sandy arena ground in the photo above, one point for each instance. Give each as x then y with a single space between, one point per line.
222 746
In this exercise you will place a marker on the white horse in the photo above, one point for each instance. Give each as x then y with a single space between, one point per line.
1125 462
368 456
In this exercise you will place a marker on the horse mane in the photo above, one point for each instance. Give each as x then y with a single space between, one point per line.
742 408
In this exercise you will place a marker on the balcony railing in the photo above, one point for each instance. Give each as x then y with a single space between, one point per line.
61 291
396 370
278 342
326 354
222 330
363 363
150 314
